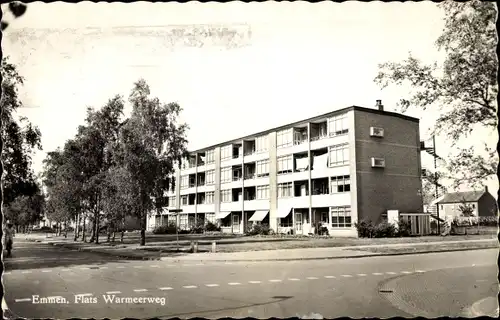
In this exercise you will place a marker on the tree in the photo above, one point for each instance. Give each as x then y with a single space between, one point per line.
466 209
464 88
17 9
151 142
19 139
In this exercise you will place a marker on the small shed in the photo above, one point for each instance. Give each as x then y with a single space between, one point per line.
420 222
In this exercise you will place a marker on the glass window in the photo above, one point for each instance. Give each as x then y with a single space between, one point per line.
225 174
339 155
210 177
226 152
285 164
340 184
226 196
210 156
209 197
184 200
261 143
171 202
285 190
184 182
338 125
262 192
210 217
341 217
284 138
262 168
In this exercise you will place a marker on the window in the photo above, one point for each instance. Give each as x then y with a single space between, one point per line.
226 152
210 177
210 157
285 164
183 220
225 174
263 192
225 195
261 143
201 179
184 182
209 197
262 168
171 201
184 200
341 217
340 184
338 125
339 155
473 206
210 217
284 138
285 190
441 207
286 222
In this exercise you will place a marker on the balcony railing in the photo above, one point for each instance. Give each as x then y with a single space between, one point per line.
237 178
249 152
250 176
192 185
299 141
322 136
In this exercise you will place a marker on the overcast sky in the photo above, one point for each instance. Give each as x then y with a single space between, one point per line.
295 60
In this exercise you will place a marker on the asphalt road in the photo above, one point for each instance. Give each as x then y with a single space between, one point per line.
429 285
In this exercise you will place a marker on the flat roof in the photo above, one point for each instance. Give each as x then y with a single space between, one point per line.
315 118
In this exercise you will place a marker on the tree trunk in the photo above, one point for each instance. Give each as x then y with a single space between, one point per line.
84 227
143 229
97 228
122 235
77 227
92 237
114 235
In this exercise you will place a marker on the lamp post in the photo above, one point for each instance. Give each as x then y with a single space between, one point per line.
176 213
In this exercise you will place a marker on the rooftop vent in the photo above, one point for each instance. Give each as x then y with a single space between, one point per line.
379 105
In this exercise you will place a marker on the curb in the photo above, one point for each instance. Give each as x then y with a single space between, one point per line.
369 255
328 258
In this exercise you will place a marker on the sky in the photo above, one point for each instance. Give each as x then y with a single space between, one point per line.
293 61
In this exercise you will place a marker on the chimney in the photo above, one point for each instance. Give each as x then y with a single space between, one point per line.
379 105
486 188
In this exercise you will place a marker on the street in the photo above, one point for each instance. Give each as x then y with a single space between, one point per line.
429 285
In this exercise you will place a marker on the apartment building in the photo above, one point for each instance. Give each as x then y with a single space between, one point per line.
335 168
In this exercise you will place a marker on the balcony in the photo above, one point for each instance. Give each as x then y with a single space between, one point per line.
319 130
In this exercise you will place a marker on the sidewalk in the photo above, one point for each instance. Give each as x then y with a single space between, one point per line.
136 252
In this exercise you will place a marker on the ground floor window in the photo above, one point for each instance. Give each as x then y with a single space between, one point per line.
287 221
210 217
226 222
172 219
341 217
183 221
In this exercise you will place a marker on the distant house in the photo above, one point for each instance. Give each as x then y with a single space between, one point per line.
482 202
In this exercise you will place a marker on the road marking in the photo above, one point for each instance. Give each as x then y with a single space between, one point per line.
199 264
84 295
23 300
170 265
362 274
234 283
346 276
229 263
254 282
390 272
155 266
137 267
330 277
377 274
212 285
274 280
120 267
113 292
293 279
7 272
84 268
26 272
46 270
140 290
66 269
104 267
190 287
312 278
406 272
165 288
420 271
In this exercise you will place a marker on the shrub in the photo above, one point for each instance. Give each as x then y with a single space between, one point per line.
211 227
404 228
491 221
259 229
384 230
165 229
365 228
